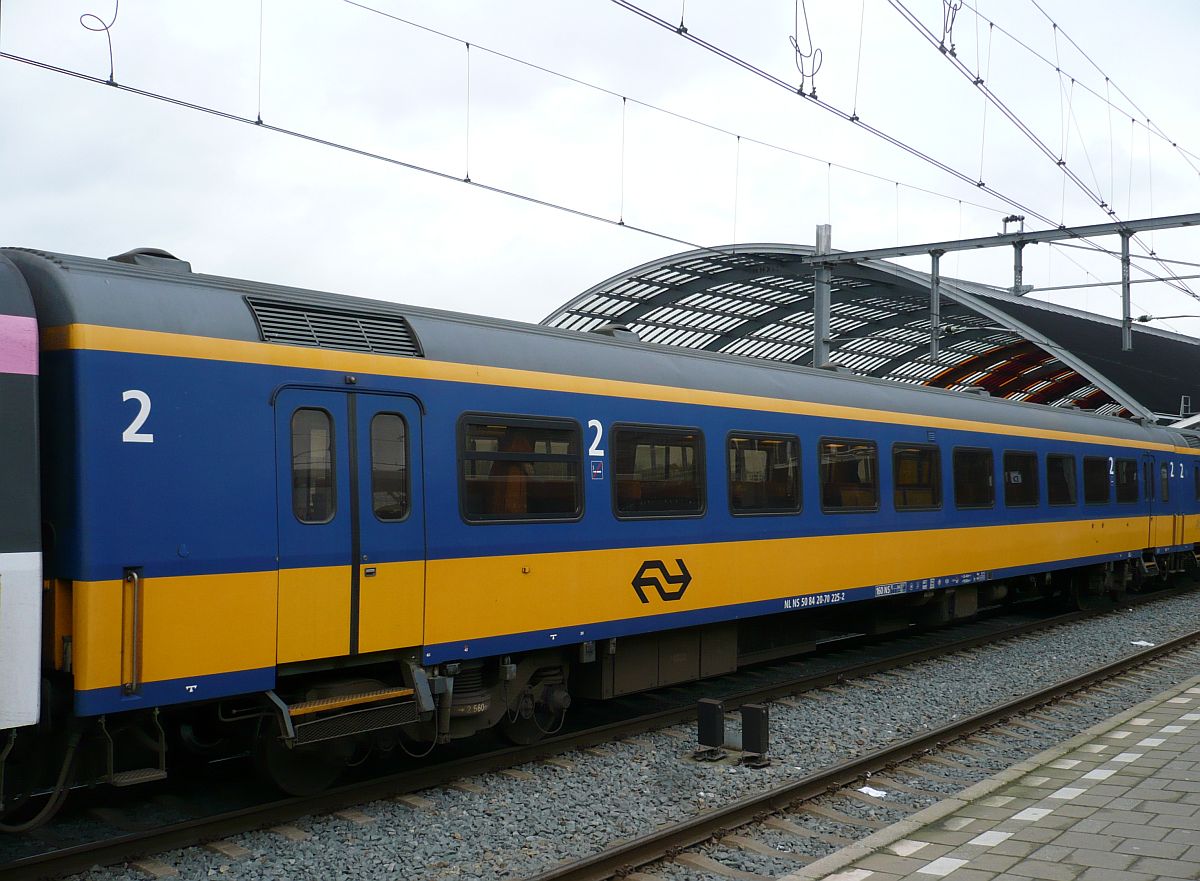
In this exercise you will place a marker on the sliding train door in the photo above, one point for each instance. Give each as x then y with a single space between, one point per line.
351 523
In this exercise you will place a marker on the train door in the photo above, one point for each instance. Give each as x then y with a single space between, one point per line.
351 523
1162 489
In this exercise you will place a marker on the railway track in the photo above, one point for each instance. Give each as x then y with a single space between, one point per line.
676 842
136 844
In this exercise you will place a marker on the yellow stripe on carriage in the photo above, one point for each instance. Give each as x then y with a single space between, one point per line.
145 342
481 597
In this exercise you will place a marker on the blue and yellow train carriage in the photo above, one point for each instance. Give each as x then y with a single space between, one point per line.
319 519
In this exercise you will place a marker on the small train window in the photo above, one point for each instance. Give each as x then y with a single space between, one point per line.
1060 479
517 469
312 466
1196 480
389 466
916 477
1095 480
764 474
659 471
849 475
1020 480
974 478
1166 483
1127 480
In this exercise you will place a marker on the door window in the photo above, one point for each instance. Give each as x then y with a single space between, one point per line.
312 466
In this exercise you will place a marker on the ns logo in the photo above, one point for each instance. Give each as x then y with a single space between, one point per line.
655 574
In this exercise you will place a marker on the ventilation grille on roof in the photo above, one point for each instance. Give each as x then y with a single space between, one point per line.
1193 440
355 332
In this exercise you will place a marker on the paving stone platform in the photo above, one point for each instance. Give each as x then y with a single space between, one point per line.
1120 802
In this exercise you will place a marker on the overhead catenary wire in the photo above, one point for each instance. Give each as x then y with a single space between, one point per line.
1150 126
1022 126
1130 111
347 148
658 108
891 139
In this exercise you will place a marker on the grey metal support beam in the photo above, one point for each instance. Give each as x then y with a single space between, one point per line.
821 297
1046 235
935 304
1018 268
1126 318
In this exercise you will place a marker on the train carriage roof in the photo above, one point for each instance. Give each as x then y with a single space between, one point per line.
149 291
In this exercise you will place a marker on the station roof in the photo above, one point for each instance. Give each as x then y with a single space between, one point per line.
757 301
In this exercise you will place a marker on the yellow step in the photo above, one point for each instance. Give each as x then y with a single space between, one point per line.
322 704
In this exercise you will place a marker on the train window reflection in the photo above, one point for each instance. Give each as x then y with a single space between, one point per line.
916 477
1127 480
389 466
1060 479
764 474
1095 480
658 471
312 466
849 475
1020 480
974 478
520 469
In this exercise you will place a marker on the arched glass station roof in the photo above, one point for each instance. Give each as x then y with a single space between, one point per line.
757 301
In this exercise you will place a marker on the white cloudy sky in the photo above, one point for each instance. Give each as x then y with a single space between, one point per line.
93 170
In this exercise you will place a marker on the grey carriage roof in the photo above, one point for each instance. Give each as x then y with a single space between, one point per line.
756 301
169 297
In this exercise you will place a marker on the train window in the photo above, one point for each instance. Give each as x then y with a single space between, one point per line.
659 472
312 466
1020 480
1196 480
974 478
1165 481
849 475
764 474
1060 479
520 469
389 466
916 477
1095 480
1127 480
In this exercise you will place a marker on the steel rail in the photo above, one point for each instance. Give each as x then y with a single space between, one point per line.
664 843
201 830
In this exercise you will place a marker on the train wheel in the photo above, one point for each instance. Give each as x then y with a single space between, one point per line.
302 770
536 719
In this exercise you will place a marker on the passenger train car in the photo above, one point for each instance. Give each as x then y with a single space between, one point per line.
243 515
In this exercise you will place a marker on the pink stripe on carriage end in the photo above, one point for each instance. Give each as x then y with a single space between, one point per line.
18 345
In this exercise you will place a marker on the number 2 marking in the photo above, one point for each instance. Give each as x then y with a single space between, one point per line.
594 449
133 434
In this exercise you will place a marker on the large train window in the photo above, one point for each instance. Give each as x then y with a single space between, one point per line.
312 466
974 478
916 477
389 466
1060 479
764 474
1127 480
1020 480
515 468
849 475
659 471
1095 480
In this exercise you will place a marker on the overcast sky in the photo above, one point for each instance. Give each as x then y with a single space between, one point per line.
92 170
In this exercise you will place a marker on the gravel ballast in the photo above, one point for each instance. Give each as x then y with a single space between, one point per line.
516 827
